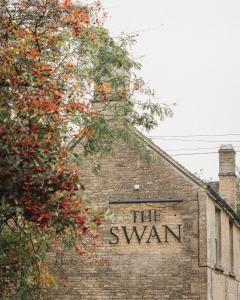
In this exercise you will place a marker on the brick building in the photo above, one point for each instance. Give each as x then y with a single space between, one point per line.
173 237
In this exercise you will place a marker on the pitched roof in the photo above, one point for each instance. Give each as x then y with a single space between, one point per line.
171 160
212 188
214 185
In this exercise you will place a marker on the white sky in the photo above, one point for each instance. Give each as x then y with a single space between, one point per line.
192 57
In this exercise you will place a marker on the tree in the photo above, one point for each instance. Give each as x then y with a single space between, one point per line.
55 59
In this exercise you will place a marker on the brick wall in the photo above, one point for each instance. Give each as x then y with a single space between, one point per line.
220 284
149 270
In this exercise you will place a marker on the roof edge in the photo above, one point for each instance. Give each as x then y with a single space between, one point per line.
223 203
171 160
187 173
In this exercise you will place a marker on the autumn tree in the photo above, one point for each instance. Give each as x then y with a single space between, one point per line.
56 59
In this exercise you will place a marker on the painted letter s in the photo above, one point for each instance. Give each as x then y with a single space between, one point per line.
115 236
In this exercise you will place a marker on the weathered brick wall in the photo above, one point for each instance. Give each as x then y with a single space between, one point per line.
154 270
221 284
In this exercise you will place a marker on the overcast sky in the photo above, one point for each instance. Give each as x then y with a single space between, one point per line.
192 57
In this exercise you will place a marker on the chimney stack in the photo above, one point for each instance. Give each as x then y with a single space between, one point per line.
227 176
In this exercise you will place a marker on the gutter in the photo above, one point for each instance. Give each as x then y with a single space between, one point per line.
224 204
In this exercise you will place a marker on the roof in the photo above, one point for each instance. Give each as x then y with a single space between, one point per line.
171 160
214 185
223 203
211 188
